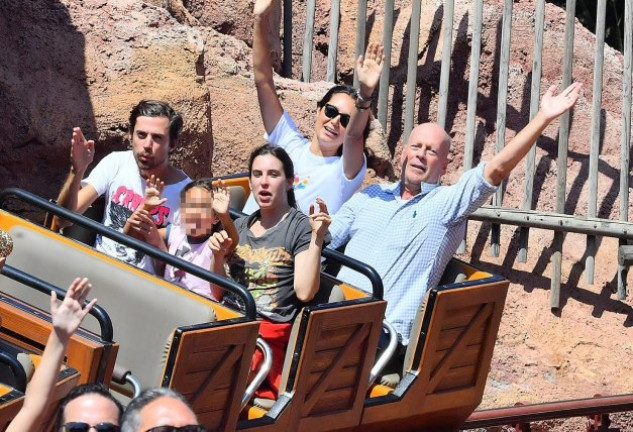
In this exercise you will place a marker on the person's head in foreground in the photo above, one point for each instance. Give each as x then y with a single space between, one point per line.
88 408
271 175
160 410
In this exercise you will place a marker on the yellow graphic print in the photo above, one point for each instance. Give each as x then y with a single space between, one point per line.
258 272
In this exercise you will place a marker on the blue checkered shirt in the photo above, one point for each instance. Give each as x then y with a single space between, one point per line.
410 242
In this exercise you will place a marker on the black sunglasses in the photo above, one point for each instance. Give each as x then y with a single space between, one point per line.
85 427
331 112
187 428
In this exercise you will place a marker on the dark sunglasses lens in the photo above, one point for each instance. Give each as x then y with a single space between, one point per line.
107 427
76 427
330 111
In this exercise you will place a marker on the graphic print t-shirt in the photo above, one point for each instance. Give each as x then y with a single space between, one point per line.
265 265
117 176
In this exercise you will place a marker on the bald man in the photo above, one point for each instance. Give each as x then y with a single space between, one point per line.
158 409
409 230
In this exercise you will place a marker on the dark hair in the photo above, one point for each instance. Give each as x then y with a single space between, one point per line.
85 389
279 153
201 183
132 419
152 108
351 92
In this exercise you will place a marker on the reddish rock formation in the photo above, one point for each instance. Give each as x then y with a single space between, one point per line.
89 62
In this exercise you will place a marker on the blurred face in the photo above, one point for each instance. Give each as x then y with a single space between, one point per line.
269 183
197 213
166 411
426 155
329 130
91 408
150 143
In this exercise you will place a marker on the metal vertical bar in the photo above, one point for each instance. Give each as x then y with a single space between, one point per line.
594 152
563 143
387 36
361 26
535 97
626 133
287 62
412 69
445 73
502 100
473 90
308 41
335 20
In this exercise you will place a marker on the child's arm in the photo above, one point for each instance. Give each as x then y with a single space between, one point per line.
221 245
66 318
221 200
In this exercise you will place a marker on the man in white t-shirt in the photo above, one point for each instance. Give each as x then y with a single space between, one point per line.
121 176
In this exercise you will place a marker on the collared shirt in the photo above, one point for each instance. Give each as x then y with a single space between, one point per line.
409 242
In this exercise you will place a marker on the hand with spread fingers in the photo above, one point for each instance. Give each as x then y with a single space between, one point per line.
142 223
82 151
153 191
369 68
320 220
221 198
68 315
553 106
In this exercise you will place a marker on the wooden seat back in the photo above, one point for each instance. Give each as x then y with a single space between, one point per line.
11 401
448 357
328 360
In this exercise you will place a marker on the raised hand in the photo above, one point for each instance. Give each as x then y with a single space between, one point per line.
319 221
369 68
221 198
68 315
82 151
262 7
553 106
153 190
220 244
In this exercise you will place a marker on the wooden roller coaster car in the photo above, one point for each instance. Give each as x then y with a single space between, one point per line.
325 383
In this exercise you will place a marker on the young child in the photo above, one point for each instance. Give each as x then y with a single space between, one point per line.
203 211
66 318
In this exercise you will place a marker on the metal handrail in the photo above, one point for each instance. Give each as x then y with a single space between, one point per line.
548 411
386 355
223 282
359 266
262 373
105 323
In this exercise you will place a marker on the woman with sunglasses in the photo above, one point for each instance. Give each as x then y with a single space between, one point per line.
332 163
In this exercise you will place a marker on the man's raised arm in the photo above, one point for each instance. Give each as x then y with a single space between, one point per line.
500 166
72 196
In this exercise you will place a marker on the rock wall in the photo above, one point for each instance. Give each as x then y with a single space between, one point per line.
67 63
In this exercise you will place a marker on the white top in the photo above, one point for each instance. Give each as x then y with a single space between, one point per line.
315 176
118 177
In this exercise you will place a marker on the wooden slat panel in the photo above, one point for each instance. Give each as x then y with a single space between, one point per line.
347 377
333 400
457 378
323 359
221 386
334 337
448 337
457 318
467 357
